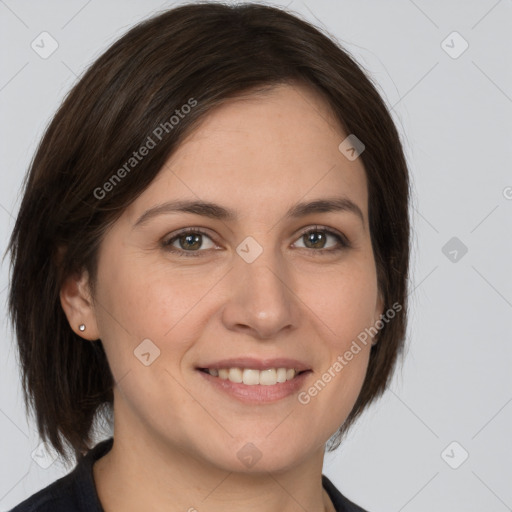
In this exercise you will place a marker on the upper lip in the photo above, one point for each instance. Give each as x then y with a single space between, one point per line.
256 364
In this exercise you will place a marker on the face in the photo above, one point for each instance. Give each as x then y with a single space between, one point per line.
262 289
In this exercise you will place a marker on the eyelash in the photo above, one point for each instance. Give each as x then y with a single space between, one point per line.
343 242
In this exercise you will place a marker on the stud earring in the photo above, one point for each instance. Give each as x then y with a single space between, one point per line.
82 327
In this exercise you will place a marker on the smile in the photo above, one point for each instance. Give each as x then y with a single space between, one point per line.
254 377
258 387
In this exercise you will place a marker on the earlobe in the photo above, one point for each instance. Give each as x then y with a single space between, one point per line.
77 304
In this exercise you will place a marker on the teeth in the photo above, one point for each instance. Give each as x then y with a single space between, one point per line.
252 377
269 377
235 375
281 375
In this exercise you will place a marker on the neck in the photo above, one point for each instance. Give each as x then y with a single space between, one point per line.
140 473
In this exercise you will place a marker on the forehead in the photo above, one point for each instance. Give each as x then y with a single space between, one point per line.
259 155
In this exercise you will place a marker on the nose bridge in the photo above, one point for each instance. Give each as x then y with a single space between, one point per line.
262 271
261 295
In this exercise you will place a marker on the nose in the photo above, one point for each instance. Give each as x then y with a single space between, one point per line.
262 302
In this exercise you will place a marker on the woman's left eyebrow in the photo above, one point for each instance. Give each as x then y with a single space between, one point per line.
216 211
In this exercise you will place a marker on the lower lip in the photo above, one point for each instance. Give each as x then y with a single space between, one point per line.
258 394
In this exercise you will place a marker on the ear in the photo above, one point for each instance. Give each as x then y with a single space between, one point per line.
78 306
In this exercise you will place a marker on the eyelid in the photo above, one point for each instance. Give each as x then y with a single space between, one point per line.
343 241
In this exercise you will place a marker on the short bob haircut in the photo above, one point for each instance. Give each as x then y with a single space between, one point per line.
210 52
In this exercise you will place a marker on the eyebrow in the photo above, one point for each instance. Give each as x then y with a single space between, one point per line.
216 211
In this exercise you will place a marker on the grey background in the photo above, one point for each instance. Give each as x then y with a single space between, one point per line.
454 118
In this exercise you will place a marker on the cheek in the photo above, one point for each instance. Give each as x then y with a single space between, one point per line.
345 318
344 300
141 324
344 303
139 301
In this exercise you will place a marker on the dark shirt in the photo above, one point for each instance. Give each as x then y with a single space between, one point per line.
76 492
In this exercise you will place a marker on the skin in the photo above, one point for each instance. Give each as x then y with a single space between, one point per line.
176 436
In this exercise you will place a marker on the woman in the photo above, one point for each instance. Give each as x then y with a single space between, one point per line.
212 252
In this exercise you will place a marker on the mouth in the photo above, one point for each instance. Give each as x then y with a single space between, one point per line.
255 377
252 380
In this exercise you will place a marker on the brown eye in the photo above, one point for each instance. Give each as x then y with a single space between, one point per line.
189 241
317 238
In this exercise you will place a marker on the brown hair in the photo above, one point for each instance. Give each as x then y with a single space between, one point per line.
210 52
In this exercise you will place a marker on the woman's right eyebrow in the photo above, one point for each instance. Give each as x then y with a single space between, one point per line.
216 211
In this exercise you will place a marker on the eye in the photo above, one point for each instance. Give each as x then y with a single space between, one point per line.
316 238
190 240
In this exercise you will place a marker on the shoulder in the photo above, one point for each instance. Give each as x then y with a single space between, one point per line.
340 502
56 497
74 492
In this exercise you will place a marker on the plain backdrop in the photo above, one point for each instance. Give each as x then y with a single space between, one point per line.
440 437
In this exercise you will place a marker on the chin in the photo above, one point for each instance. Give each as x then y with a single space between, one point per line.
263 454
